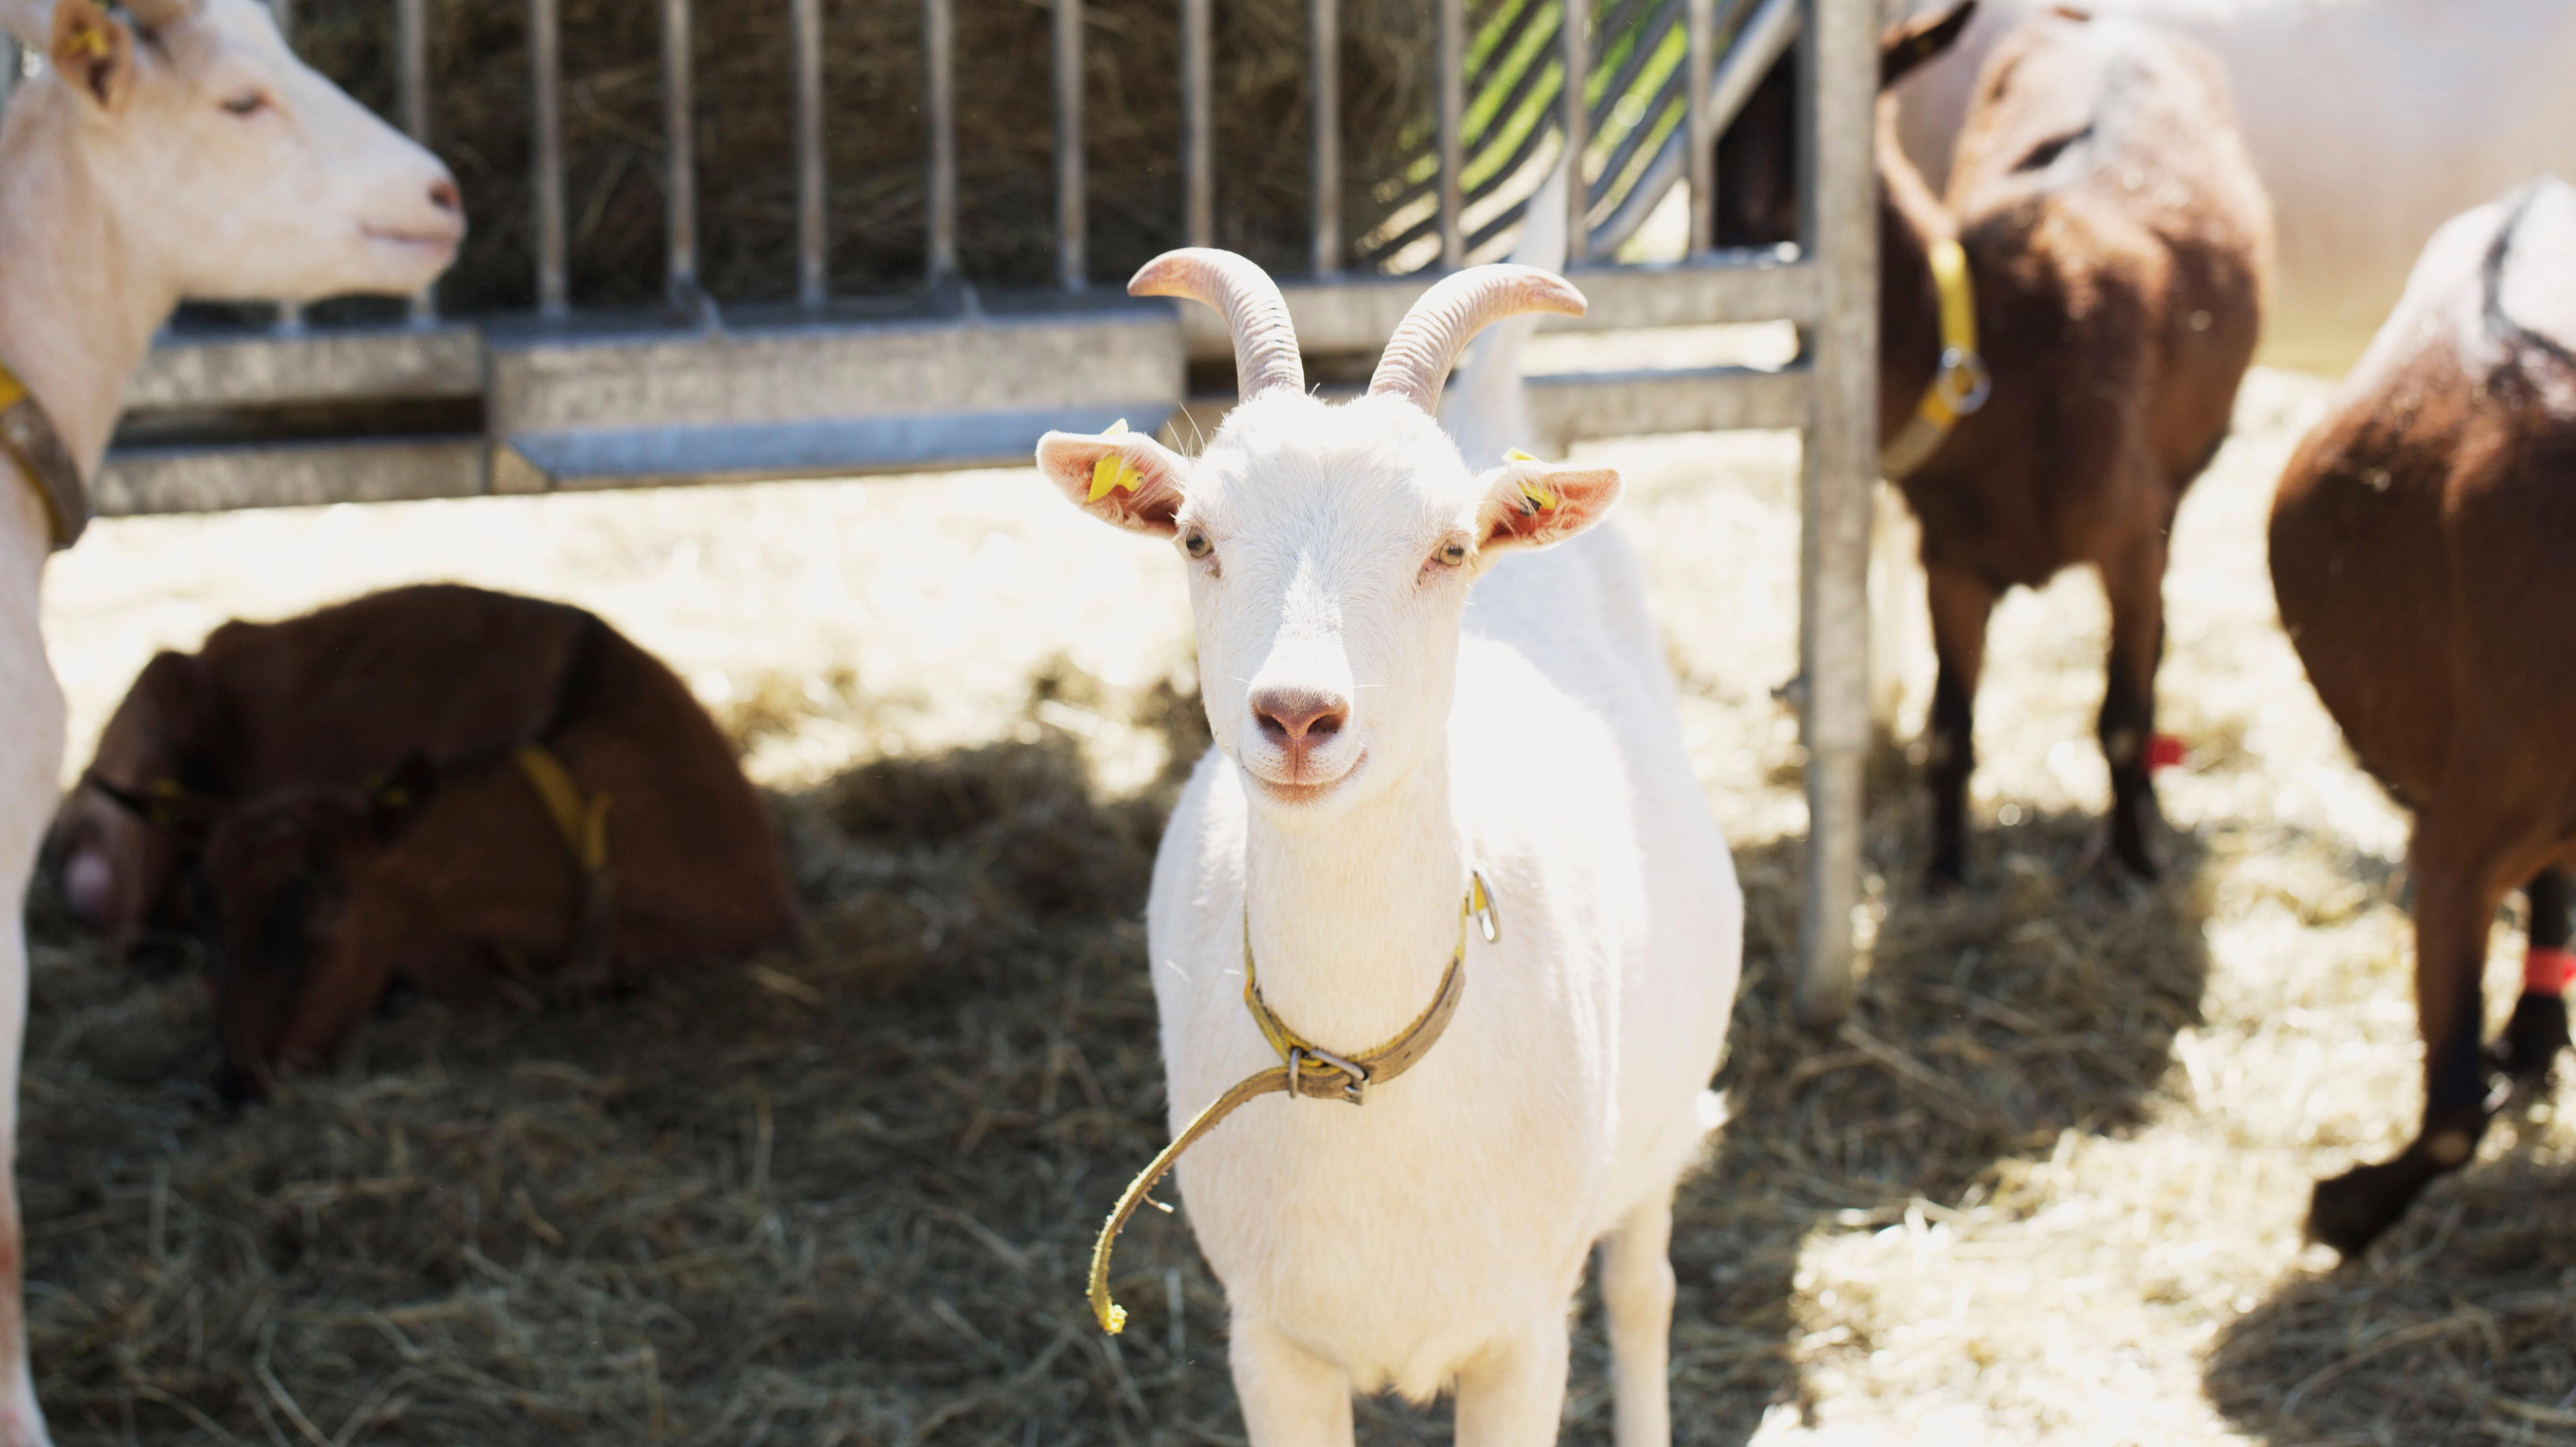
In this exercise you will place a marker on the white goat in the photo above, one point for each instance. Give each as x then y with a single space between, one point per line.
1379 735
186 155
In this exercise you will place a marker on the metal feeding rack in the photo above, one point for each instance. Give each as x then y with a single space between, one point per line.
560 398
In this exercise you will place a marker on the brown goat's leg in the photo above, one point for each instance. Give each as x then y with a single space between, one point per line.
2456 895
2135 584
1961 604
2538 1030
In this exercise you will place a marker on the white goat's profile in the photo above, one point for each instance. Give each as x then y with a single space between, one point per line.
187 154
1381 733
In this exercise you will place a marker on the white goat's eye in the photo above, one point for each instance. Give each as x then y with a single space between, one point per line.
248 103
1195 544
1451 555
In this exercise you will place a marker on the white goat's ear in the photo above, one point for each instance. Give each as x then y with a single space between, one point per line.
1531 504
1119 477
93 51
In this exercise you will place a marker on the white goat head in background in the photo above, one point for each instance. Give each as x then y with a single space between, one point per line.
1330 547
230 169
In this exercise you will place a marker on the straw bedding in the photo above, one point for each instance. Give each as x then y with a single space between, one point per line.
2044 1188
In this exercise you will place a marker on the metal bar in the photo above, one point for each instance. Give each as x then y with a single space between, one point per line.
939 113
1198 124
1324 123
1757 44
1451 67
411 85
545 99
813 260
1072 214
12 60
290 315
679 157
1841 453
1576 39
1700 122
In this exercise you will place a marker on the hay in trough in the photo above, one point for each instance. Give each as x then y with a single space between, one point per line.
874 138
2044 1188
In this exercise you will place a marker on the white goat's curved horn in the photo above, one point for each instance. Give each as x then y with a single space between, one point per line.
1418 357
1265 343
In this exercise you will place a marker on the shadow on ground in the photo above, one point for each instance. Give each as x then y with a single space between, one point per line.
2460 1326
848 1198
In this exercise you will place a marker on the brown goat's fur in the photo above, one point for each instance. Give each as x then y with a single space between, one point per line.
2119 245
331 697
2420 533
459 880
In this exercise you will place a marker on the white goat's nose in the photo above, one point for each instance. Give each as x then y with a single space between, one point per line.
1290 717
443 197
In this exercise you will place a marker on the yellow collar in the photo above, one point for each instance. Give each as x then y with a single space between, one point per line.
28 436
1304 1069
1961 385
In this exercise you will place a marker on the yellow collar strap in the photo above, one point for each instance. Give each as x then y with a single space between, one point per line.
28 436
582 824
1961 385
1306 1069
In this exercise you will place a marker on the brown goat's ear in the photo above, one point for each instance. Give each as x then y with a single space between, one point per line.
94 51
1532 504
1919 39
395 796
1119 477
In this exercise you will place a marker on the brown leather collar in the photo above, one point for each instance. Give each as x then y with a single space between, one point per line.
28 435
1306 1070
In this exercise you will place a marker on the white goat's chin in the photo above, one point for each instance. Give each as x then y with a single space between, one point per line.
414 253
1304 793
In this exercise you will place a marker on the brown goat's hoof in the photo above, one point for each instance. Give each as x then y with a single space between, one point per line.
2354 1209
2532 1039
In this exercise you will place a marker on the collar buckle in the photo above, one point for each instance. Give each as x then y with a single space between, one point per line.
1355 1077
1963 383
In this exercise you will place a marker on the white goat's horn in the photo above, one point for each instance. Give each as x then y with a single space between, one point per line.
1418 357
1265 343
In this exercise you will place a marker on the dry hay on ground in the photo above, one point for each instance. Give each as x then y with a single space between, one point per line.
2044 1188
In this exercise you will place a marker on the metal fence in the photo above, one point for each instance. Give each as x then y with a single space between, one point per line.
561 399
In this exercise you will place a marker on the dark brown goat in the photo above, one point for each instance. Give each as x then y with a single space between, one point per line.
2419 542
625 841
2119 247
331 697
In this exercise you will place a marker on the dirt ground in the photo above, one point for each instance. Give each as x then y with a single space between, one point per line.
2044 1187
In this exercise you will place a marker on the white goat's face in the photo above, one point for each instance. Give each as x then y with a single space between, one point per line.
1330 550
236 168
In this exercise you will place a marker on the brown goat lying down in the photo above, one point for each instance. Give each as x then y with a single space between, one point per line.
2118 247
332 697
623 840
2420 544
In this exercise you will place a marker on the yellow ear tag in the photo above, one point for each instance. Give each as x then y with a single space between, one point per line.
1516 455
89 41
1113 470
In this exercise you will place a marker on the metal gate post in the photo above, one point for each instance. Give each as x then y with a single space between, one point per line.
1840 451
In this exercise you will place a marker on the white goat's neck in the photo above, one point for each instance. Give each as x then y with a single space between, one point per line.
1353 923
77 309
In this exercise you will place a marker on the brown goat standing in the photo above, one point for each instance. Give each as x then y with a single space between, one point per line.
2419 549
625 841
2118 245
331 697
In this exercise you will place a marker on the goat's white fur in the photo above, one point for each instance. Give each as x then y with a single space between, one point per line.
110 214
1434 1236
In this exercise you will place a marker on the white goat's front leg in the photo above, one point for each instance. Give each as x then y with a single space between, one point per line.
1290 1396
1637 1292
1513 1393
